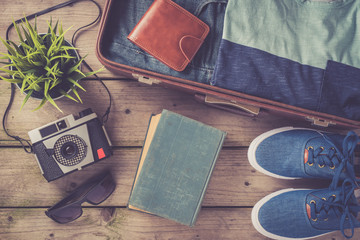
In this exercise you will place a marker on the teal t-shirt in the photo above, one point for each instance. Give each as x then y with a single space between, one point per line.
308 32
293 51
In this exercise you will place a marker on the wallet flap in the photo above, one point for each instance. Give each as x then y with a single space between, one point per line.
189 45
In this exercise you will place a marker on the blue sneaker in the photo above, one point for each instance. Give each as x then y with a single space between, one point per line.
291 153
303 214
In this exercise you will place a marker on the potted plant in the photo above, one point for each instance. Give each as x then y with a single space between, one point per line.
43 66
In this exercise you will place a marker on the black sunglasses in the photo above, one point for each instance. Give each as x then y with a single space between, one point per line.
94 192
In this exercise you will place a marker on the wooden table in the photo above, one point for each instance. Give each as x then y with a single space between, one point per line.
233 190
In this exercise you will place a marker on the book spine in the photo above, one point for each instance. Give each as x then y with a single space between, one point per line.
137 168
196 213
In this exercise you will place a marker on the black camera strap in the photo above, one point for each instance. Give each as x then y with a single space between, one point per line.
26 144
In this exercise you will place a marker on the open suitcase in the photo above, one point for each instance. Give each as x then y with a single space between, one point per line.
121 56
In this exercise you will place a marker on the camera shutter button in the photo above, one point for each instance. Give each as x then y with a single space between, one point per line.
85 112
62 124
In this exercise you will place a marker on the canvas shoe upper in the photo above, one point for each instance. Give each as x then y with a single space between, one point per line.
291 153
303 214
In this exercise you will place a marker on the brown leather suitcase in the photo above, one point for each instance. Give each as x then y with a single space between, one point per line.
221 98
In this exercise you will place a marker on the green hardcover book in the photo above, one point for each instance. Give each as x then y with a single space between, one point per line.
175 166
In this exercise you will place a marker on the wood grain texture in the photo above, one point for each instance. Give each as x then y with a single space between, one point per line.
24 194
233 183
73 16
133 104
123 224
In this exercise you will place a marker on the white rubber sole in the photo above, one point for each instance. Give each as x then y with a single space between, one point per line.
256 222
254 145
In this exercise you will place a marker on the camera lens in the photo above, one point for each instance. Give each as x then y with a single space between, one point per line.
69 150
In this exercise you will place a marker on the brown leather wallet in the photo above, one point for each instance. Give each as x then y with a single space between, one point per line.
169 33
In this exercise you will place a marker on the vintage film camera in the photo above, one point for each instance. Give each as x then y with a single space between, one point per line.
69 144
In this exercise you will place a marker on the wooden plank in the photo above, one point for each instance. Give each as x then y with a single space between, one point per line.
133 104
234 182
120 223
24 194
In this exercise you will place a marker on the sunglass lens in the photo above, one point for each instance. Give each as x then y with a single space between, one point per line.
101 191
66 214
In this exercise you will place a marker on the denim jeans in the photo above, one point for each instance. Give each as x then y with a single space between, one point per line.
125 15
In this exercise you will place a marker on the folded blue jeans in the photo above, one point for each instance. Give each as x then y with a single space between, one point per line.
333 90
127 13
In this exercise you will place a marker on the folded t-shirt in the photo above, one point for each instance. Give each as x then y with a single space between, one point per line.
279 50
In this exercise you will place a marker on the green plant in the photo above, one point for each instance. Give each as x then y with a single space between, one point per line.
43 64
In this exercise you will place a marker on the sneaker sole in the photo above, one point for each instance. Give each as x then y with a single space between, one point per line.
256 223
254 145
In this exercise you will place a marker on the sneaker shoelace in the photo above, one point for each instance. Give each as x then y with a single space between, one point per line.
330 159
346 157
335 158
344 205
